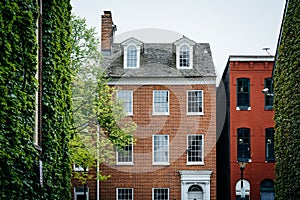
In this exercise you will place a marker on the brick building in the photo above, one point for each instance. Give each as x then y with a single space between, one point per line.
248 131
168 90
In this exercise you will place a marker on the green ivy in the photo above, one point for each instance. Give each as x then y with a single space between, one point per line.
19 168
57 113
18 61
287 106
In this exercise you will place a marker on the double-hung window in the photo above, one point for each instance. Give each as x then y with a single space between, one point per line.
270 156
160 194
79 193
184 56
195 102
160 102
243 93
131 57
124 193
126 97
268 96
125 154
243 144
160 149
195 149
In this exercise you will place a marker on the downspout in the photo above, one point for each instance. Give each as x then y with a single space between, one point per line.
98 164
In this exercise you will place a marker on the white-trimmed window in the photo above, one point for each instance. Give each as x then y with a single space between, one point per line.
126 97
160 149
195 149
195 102
184 56
160 193
132 51
125 155
124 193
79 193
160 102
79 168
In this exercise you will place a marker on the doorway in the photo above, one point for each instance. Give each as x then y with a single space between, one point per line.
195 192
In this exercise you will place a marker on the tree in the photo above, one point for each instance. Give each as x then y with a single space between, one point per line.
97 117
287 106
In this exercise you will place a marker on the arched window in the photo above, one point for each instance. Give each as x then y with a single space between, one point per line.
184 56
267 189
195 188
131 56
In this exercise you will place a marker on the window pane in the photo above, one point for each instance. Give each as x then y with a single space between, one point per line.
195 148
270 156
184 56
131 56
268 98
161 194
195 101
125 194
243 92
243 141
125 96
161 101
161 148
125 154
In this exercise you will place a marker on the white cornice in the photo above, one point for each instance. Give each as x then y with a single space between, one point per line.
251 58
164 81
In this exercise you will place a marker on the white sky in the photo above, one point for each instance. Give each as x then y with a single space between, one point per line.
232 27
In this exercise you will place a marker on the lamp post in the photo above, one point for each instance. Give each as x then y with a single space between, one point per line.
242 165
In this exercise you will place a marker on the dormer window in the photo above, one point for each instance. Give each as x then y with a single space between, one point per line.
131 56
184 56
132 51
184 53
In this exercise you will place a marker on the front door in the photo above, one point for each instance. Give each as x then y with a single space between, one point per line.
195 196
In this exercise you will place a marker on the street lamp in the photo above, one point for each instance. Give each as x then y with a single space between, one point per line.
242 165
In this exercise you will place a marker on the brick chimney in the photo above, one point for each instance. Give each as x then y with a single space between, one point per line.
107 33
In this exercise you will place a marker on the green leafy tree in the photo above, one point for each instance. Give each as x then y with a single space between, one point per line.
98 123
287 106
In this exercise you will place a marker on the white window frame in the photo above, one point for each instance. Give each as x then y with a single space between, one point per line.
117 192
202 103
77 168
81 193
168 107
138 45
202 148
136 58
190 46
125 163
153 151
125 103
153 190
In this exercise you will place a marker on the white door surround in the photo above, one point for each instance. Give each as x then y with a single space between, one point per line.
195 177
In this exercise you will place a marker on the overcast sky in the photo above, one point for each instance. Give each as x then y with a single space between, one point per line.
232 27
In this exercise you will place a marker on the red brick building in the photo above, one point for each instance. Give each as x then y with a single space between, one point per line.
248 131
168 90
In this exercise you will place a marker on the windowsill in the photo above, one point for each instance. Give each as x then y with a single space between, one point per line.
161 163
184 67
129 114
131 67
270 161
194 163
193 114
267 108
125 164
244 108
158 114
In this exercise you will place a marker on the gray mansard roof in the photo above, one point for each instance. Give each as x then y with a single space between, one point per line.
159 60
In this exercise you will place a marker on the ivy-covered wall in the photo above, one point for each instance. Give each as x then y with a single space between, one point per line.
56 100
19 169
287 106
18 62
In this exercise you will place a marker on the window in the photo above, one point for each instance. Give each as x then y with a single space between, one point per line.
124 193
125 154
184 56
267 190
131 56
243 142
79 193
79 168
270 156
126 97
160 193
161 149
269 98
195 102
161 102
195 149
243 93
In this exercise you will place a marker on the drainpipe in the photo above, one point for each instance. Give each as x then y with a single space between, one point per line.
98 165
